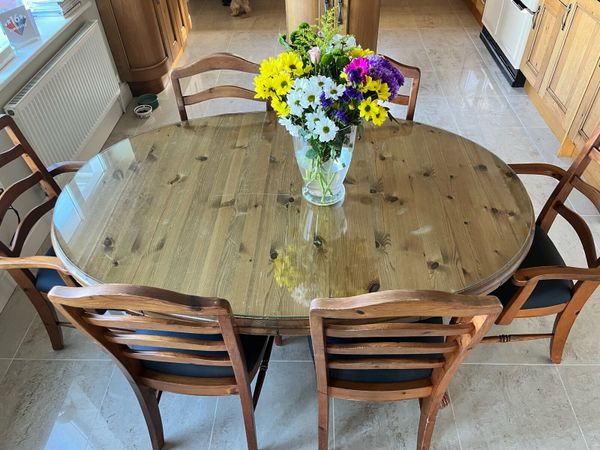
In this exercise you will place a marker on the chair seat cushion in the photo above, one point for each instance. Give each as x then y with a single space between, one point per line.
252 346
543 252
384 375
46 279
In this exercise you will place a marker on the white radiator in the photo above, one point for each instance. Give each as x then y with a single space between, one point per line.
61 106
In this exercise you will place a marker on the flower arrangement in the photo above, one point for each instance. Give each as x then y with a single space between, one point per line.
322 86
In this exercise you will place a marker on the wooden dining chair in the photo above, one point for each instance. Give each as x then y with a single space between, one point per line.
50 271
363 349
166 341
216 61
543 284
410 101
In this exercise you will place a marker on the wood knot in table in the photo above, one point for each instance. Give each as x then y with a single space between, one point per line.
432 265
285 200
108 244
382 240
273 254
177 179
373 286
481 168
391 199
201 158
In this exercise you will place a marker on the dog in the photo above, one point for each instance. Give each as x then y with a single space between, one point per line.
238 7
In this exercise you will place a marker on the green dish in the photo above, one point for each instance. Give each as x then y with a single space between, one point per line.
148 99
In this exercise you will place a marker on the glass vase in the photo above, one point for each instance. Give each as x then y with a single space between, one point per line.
323 180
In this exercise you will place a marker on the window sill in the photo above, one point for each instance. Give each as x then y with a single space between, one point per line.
50 28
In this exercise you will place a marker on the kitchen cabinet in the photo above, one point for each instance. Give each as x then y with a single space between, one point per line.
587 116
572 62
357 17
546 26
561 64
145 48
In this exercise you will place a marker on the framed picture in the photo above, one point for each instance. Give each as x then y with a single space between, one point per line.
18 26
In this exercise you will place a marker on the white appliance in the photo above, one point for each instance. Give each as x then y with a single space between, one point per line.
507 24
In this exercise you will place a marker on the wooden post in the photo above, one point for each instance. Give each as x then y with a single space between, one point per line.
298 11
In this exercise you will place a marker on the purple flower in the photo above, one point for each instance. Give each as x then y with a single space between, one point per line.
326 102
355 76
341 116
351 93
381 69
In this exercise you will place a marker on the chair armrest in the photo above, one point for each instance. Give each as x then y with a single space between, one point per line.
32 262
65 167
548 170
535 274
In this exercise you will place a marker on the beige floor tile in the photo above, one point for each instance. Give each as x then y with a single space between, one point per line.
467 83
583 388
51 404
513 407
187 420
388 425
286 415
15 319
36 345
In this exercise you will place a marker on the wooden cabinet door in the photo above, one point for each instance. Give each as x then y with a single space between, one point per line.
541 41
587 117
573 60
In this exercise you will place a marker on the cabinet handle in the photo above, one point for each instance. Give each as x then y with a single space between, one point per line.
565 16
340 14
535 17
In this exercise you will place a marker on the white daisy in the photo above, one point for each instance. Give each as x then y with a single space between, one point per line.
312 119
326 129
294 130
294 100
311 94
334 91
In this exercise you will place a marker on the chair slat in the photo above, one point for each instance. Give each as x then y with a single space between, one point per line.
391 348
12 154
130 322
12 192
219 92
167 342
397 330
179 357
385 363
28 223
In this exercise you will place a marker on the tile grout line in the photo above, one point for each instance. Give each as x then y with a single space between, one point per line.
212 428
572 408
454 417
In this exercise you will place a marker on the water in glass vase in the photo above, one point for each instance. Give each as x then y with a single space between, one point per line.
324 182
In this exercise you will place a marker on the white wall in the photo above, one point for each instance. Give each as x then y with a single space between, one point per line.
17 169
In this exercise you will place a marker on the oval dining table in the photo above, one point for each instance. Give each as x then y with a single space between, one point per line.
213 207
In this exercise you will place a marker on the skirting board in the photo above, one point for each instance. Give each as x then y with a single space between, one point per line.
39 234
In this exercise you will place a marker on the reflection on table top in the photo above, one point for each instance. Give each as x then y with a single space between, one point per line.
213 208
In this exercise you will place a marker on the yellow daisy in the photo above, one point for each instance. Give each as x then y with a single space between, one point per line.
280 107
291 63
282 83
368 108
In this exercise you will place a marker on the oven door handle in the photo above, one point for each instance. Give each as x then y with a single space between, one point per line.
519 4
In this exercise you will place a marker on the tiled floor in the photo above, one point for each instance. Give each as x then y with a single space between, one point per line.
504 397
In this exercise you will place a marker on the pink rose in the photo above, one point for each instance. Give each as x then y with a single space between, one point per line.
314 54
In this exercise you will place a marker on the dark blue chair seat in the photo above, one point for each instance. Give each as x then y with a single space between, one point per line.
252 347
46 279
543 252
383 375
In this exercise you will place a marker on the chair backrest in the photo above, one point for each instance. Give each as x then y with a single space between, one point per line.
414 74
383 315
144 331
39 177
569 181
216 61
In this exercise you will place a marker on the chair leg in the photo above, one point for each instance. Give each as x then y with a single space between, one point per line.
429 410
565 320
278 341
147 399
49 318
262 372
323 421
248 413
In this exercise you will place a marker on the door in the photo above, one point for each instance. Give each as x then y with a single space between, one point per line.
542 38
573 60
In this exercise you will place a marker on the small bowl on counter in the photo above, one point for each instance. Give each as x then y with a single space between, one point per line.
143 111
148 99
